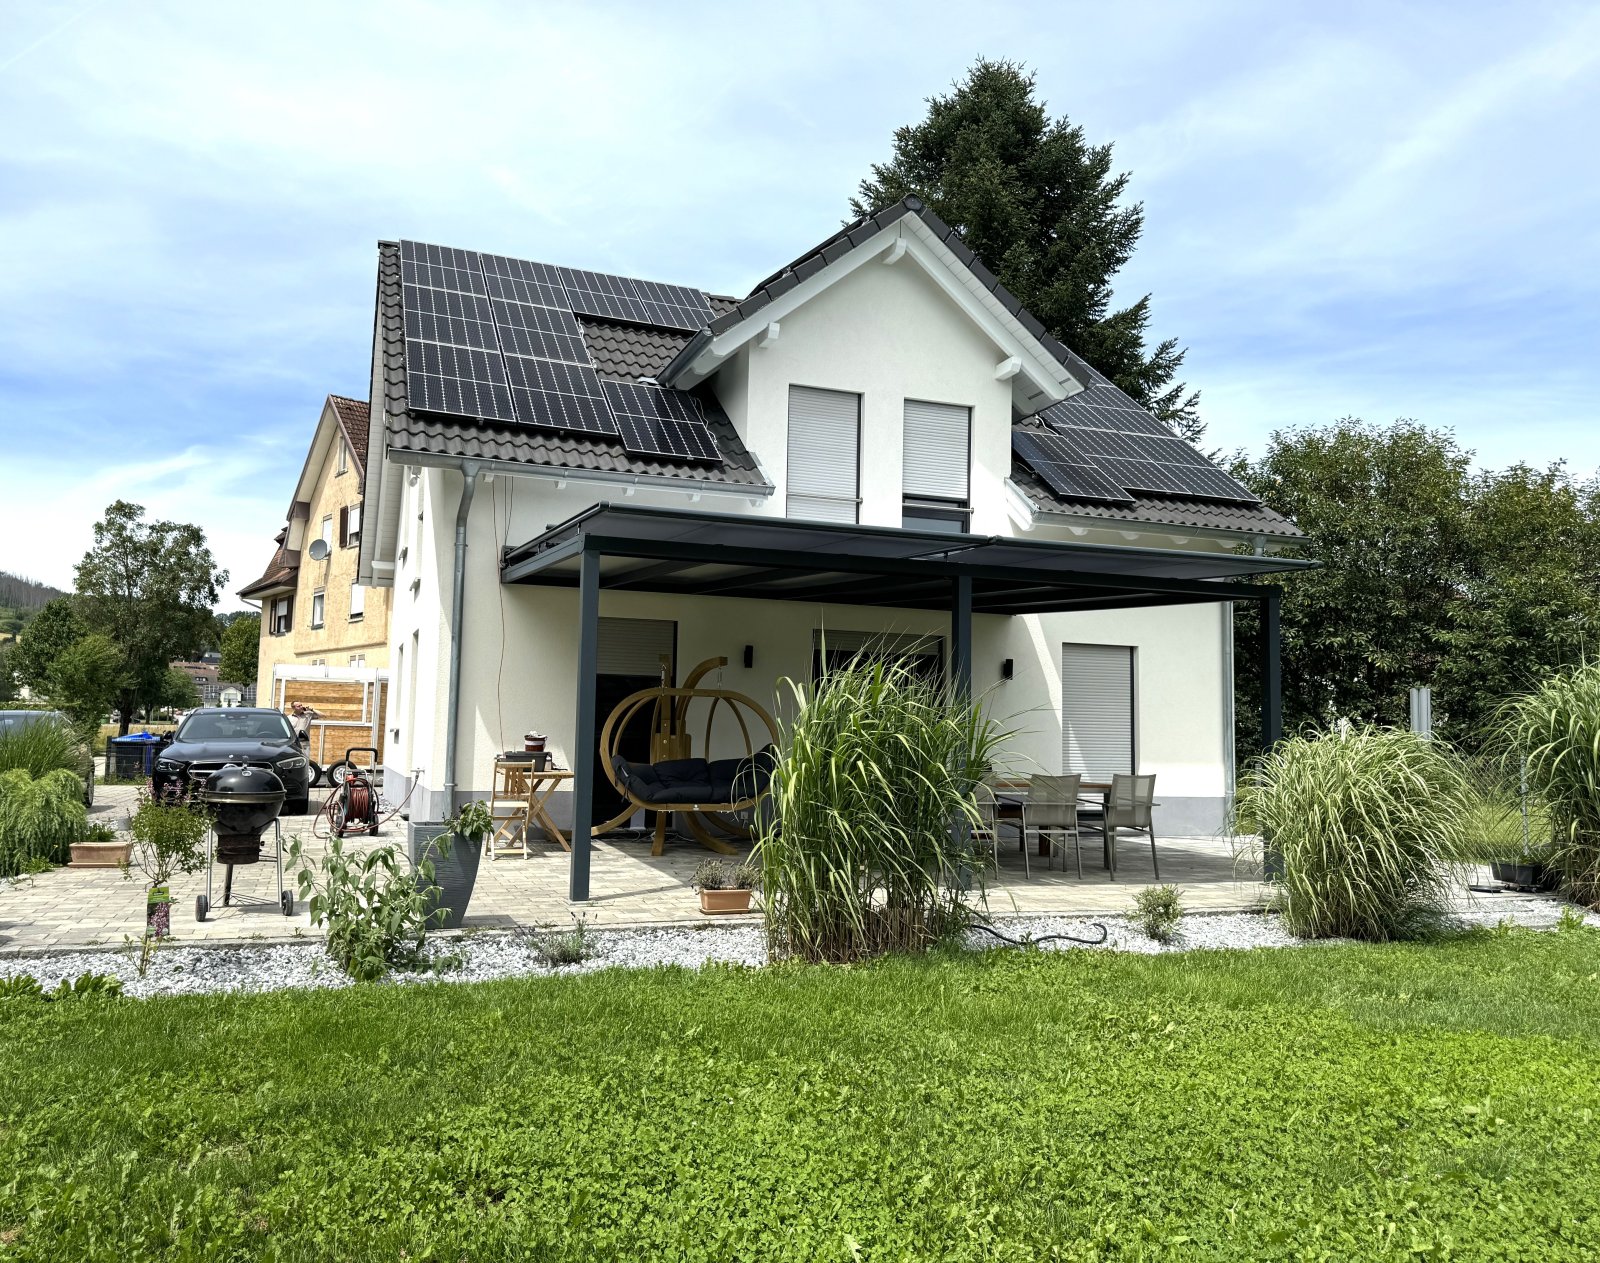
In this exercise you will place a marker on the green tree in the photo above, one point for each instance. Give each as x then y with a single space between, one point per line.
1386 512
178 691
8 674
86 678
56 628
1041 207
150 587
1530 591
241 650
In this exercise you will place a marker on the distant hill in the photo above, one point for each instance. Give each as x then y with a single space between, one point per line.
17 593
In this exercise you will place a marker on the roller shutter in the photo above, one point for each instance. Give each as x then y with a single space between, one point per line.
937 451
635 646
1097 710
824 477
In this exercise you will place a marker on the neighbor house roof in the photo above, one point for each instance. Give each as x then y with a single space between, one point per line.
280 575
353 418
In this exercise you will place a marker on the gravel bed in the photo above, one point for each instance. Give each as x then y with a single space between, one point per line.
481 957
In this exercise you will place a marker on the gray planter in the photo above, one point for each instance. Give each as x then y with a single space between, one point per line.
455 869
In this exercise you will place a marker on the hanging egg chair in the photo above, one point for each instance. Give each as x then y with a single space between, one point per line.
709 796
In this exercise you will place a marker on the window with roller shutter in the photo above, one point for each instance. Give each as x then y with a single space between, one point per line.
824 478
1097 699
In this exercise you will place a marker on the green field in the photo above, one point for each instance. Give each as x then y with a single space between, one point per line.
1428 1101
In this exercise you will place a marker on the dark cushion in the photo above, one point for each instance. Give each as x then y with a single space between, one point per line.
673 781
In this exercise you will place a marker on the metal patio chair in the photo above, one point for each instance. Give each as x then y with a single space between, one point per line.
1050 812
1126 806
987 832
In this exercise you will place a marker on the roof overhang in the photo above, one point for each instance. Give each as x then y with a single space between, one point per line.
741 555
1038 377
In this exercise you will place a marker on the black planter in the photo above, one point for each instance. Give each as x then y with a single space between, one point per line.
455 869
1529 874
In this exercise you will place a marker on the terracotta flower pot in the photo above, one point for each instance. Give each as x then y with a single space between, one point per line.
101 854
713 902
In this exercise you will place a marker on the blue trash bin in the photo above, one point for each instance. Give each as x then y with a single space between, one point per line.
132 756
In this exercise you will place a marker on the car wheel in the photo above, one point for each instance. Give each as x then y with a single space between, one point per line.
202 905
297 807
286 902
316 773
88 791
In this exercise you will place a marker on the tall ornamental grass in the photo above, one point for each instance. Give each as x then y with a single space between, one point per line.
1556 729
1371 826
40 819
866 848
40 746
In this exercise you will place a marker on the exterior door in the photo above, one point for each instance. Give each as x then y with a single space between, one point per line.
1097 709
635 653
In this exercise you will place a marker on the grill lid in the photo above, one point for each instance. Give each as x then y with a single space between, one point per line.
242 785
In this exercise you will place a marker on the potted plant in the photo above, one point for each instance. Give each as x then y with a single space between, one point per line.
725 888
168 839
453 848
101 848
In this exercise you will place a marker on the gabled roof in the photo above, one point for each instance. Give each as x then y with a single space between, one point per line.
353 419
280 575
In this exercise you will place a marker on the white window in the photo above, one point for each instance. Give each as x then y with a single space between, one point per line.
1097 710
358 659
937 453
344 456
282 616
350 526
358 602
327 530
824 454
317 607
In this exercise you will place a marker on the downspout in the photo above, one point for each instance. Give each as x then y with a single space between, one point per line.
469 487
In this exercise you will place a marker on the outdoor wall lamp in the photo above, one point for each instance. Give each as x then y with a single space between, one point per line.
1006 668
749 656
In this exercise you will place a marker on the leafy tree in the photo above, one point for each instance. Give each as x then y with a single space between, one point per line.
1530 591
86 678
1041 206
1386 512
150 587
8 674
56 628
241 649
178 691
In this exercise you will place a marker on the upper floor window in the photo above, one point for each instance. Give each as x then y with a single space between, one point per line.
824 479
282 620
318 607
344 456
936 466
327 530
358 602
350 526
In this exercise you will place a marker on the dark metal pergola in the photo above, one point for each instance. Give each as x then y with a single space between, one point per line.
629 548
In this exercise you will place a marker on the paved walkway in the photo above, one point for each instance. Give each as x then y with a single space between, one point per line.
70 907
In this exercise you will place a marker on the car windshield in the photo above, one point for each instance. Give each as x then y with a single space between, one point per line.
221 726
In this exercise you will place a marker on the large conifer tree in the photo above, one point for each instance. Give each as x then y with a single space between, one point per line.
1040 206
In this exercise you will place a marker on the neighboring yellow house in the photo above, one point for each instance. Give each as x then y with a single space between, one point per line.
324 637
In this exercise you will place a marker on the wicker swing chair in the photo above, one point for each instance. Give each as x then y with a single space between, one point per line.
707 797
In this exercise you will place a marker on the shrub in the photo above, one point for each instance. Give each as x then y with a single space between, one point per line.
872 802
40 818
562 948
719 875
41 746
1157 911
376 906
1369 824
168 838
1556 729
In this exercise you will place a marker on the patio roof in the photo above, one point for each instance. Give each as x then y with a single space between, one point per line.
766 558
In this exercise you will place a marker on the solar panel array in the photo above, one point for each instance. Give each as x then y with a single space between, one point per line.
1101 445
496 338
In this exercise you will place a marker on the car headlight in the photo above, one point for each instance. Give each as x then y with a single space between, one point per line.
291 764
167 765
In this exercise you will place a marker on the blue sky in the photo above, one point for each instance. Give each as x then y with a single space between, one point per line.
1374 209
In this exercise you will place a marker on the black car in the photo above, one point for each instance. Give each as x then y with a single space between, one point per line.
11 720
215 736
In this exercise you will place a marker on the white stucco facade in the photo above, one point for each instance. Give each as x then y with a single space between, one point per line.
888 334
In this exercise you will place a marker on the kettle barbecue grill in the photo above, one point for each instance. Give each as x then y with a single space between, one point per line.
243 802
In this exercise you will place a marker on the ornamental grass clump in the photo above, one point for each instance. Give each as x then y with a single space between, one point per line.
866 848
40 818
1555 729
40 747
1371 827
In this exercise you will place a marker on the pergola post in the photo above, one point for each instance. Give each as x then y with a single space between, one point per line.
1271 672
585 737
961 637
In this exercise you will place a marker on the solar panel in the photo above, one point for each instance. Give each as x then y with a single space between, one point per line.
558 396
523 281
461 381
541 332
1111 443
1142 475
603 295
441 267
1101 406
1063 469
439 315
660 422
676 306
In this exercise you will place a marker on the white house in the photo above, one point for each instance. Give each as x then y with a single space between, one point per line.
878 439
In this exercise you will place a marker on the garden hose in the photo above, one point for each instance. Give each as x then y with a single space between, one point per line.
1028 940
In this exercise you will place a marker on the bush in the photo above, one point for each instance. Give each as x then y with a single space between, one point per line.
168 838
1369 824
1157 911
376 906
719 875
41 746
40 818
562 948
872 799
1556 729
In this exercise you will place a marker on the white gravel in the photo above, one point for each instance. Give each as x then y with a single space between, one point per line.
488 955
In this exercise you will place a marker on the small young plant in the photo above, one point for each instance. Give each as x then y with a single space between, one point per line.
472 822
720 875
376 905
168 839
99 833
1157 910
570 947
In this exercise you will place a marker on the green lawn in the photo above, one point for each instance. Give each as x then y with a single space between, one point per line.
1430 1101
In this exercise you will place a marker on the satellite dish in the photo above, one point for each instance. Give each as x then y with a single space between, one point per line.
318 549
